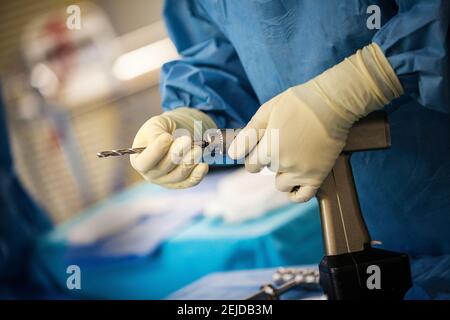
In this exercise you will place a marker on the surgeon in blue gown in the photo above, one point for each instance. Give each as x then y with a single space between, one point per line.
237 55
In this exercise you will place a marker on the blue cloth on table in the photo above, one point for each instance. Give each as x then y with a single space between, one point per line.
285 236
130 225
431 280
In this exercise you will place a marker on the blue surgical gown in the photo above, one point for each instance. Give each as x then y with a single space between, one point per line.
238 54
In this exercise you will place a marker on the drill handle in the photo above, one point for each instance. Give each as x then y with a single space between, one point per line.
343 226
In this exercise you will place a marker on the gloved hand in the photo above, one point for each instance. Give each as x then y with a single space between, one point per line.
172 162
310 122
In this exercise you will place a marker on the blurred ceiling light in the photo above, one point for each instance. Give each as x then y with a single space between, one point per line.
44 79
143 60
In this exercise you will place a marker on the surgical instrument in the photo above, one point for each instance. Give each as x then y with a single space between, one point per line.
287 279
215 140
351 266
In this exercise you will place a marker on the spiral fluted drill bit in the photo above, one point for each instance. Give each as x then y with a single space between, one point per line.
119 152
218 139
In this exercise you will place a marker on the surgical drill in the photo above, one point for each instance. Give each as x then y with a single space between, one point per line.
351 268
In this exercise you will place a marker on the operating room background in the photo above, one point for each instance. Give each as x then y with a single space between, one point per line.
56 135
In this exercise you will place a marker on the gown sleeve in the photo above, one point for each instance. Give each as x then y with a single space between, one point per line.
209 75
415 41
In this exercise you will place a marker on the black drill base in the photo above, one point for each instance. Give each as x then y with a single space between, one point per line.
345 276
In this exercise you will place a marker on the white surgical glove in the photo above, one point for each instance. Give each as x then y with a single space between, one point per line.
312 121
169 161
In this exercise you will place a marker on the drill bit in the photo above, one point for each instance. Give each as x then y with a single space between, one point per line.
218 140
119 152
122 152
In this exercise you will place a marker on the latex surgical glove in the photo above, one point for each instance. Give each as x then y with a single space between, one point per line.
168 160
300 132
